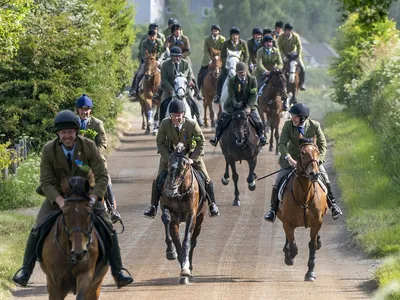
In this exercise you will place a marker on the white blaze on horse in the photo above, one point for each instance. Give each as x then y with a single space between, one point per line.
181 87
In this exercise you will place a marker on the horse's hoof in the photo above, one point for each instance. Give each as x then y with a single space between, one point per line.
147 132
289 261
184 280
185 272
310 276
270 149
172 255
236 202
143 127
225 181
252 186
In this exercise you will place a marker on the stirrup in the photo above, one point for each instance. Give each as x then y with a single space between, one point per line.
270 216
214 141
150 212
213 210
336 211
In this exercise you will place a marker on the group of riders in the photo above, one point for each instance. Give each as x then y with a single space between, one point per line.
69 151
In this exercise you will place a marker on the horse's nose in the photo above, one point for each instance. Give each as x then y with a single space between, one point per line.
314 176
147 76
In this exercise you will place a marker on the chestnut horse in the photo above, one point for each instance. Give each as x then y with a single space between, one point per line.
209 88
304 204
291 69
180 202
71 249
270 103
151 85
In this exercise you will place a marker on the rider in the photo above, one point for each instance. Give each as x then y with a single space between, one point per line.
84 107
65 157
150 45
169 70
212 41
290 42
159 35
300 126
233 44
268 31
242 95
253 45
278 29
178 129
171 21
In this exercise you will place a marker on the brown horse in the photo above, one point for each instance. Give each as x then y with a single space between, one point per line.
151 85
270 103
291 69
71 249
209 88
180 202
304 204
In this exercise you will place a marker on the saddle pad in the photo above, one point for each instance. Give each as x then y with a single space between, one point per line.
160 181
201 179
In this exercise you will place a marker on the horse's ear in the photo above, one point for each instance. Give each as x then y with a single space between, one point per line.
65 187
147 53
87 187
229 52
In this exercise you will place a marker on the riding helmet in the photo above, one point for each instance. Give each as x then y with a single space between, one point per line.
172 21
279 24
215 26
300 109
234 30
84 102
174 27
66 119
151 32
267 30
288 26
177 106
257 30
267 37
153 26
241 67
175 51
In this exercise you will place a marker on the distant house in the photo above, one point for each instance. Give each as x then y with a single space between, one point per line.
317 54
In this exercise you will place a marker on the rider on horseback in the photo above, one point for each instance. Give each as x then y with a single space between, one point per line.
171 21
300 127
66 156
233 44
253 45
268 31
84 107
290 42
174 130
278 30
242 95
213 41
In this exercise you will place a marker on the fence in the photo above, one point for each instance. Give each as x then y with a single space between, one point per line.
19 153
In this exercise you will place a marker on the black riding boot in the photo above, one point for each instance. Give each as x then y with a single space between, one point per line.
211 200
133 90
271 214
260 133
302 78
220 83
196 90
22 276
335 209
114 258
114 214
218 130
151 210
200 76
195 110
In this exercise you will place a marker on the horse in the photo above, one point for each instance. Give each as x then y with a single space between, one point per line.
209 88
291 69
239 142
181 202
270 103
149 86
304 204
71 249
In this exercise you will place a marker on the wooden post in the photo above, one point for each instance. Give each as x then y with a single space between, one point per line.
14 164
5 174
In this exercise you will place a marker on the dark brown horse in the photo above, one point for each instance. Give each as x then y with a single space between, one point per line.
151 85
71 249
304 204
240 142
270 103
291 68
209 87
180 202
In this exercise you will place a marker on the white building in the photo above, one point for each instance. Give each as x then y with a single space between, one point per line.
148 11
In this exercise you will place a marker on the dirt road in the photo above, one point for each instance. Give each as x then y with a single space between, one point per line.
238 256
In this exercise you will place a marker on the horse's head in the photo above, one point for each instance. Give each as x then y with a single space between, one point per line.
240 123
215 63
231 61
278 82
150 66
178 166
180 85
308 163
77 216
291 66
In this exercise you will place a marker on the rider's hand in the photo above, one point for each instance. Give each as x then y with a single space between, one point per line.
191 161
60 201
247 110
94 197
266 73
292 162
251 66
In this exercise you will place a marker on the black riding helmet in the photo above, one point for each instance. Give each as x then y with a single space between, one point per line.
153 26
66 119
175 51
172 21
279 24
176 107
267 30
300 109
174 27
267 37
288 26
257 30
234 30
215 26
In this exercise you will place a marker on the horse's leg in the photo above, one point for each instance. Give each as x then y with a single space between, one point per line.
212 114
186 247
277 135
205 110
226 178
290 248
271 138
55 290
166 219
83 282
312 246
251 180
235 176
196 233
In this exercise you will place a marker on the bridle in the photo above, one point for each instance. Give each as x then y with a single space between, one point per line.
301 166
181 179
246 126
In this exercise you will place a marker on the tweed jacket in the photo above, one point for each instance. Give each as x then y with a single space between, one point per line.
101 137
151 47
290 140
241 45
268 62
291 44
253 48
245 93
209 44
168 74
183 43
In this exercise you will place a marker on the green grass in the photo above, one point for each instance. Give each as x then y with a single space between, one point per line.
14 229
372 200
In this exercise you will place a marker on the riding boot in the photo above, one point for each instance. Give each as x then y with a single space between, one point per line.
133 90
151 210
335 209
271 214
211 200
114 258
21 277
302 78
200 76
196 91
220 83
114 214
260 133
218 130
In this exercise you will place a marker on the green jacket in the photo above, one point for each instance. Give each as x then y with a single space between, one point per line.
289 141
209 44
144 37
190 135
101 137
241 45
168 75
253 48
183 43
291 44
246 93
54 167
151 47
268 62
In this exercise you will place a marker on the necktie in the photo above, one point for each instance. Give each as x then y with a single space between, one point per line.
69 160
268 51
177 130
83 127
301 130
